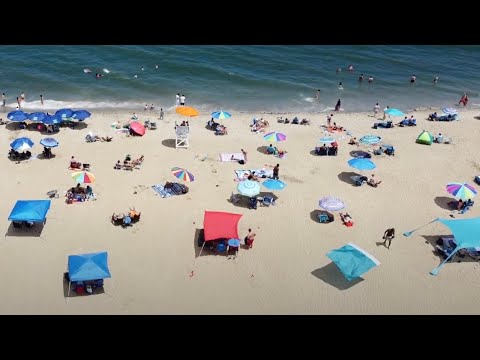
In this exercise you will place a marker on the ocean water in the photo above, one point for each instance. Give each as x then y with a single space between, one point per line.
236 78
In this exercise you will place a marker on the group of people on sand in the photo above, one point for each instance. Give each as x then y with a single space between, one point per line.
259 125
275 151
128 163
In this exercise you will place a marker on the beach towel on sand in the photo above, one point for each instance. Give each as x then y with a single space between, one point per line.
231 157
176 189
263 173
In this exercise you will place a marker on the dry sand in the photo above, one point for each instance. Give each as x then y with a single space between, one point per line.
287 271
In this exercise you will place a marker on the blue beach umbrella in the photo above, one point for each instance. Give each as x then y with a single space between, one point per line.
64 113
17 115
221 115
370 139
362 164
21 144
49 142
327 140
274 184
352 261
81 115
249 188
394 112
37 116
51 120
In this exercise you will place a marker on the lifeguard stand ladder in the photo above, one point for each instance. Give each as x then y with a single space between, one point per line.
181 137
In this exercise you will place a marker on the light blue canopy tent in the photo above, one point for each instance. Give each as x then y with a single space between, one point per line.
91 266
30 210
352 261
84 267
465 231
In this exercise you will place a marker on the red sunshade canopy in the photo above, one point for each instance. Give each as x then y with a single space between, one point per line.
137 128
220 225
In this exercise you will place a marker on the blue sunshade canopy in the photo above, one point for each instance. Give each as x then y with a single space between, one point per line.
352 261
30 210
86 267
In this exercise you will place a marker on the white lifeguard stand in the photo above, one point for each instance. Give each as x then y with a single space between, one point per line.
181 137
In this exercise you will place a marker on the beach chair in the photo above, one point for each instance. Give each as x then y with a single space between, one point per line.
389 150
234 198
252 203
268 200
358 180
323 218
181 138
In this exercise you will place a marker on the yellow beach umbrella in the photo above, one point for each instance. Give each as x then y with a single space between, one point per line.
186 111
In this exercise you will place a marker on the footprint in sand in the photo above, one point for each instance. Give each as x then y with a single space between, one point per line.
293 179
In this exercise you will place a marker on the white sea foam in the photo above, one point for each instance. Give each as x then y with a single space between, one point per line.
56 104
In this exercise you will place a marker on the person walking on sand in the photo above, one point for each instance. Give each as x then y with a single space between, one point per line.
276 169
388 235
329 120
376 110
244 155
249 239
161 113
3 99
385 112
41 99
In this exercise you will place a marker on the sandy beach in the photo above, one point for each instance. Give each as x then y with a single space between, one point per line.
286 271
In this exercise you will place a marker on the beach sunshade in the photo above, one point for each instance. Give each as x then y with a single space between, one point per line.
233 242
274 184
370 139
49 142
465 231
352 261
17 115
182 174
275 136
394 112
327 140
362 164
64 113
186 111
86 267
30 210
221 115
37 116
463 191
425 138
81 115
450 111
21 144
248 188
83 177
137 128
52 120
331 203
220 225
360 154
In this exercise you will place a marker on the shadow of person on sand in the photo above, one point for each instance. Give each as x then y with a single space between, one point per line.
332 275
442 201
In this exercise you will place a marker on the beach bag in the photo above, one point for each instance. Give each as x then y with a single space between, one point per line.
241 162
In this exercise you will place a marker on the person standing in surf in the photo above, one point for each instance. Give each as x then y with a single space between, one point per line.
182 100
338 106
41 98
22 97
3 99
177 99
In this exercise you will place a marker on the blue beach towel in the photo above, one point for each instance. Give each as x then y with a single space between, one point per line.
160 189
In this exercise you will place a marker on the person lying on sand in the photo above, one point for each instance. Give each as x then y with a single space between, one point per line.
346 219
106 138
253 177
373 182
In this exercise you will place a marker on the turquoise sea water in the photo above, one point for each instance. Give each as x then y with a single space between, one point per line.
239 78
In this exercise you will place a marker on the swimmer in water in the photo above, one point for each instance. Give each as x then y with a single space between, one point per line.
317 95
360 78
135 76
86 71
98 76
413 78
339 69
156 66
435 79
350 68
370 79
340 86
143 68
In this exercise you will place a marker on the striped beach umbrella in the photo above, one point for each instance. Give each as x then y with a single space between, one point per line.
450 111
461 190
331 203
221 115
275 136
370 139
183 174
248 188
83 177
